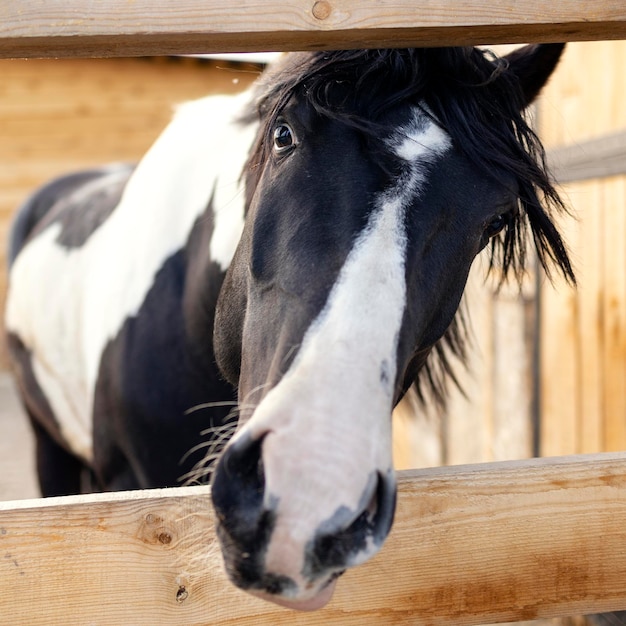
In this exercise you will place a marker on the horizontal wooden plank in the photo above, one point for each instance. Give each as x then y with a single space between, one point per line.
597 158
470 545
49 28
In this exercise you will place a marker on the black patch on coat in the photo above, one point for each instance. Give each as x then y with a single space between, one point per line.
83 211
59 201
159 366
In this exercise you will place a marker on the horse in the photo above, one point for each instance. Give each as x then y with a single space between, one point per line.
253 298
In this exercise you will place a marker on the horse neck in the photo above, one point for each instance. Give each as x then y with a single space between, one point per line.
194 165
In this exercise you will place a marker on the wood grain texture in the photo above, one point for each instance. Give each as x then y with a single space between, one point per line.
592 211
583 339
49 28
614 309
596 158
471 545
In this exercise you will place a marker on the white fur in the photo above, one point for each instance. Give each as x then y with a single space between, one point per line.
66 305
327 423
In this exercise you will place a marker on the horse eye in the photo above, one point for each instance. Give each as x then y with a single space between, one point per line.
283 138
496 225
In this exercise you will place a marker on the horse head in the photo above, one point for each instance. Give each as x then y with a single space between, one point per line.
375 180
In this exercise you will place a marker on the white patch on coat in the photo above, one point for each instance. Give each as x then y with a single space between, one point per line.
327 424
67 304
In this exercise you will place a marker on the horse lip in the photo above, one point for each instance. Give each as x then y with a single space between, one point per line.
319 601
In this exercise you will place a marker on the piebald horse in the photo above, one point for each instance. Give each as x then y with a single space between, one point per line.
291 258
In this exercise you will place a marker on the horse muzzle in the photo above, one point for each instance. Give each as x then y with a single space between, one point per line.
280 543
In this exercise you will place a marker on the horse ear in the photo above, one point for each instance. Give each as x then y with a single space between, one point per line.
533 66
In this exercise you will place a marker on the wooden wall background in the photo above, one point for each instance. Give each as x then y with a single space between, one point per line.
583 331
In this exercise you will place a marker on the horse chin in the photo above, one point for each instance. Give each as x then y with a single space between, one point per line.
318 601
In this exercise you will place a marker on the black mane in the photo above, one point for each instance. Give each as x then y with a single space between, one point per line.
469 92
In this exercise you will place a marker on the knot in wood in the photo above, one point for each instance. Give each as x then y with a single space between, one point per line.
151 519
321 10
154 530
182 594
165 538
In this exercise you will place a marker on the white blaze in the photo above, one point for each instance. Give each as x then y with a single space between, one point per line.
327 422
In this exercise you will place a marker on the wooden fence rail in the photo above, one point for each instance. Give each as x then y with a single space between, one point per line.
58 28
470 545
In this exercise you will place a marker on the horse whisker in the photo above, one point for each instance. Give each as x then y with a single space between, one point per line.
210 405
219 434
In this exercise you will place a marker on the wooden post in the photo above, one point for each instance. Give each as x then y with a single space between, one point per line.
470 545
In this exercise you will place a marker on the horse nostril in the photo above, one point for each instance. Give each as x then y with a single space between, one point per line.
237 489
379 511
337 548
